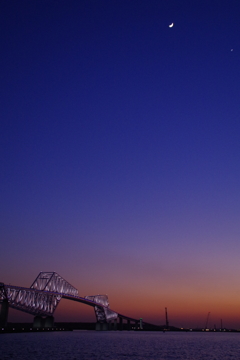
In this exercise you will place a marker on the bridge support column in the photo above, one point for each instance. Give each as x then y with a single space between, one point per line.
120 323
110 325
98 326
101 326
38 322
129 325
115 324
48 322
4 313
105 326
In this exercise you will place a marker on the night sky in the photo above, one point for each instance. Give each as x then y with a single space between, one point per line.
120 154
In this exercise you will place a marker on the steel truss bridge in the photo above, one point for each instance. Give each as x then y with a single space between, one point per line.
44 295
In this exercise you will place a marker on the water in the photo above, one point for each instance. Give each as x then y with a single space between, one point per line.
116 345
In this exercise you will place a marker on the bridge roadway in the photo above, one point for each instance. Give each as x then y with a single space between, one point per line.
77 299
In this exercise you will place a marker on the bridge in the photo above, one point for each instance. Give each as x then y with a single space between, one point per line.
43 296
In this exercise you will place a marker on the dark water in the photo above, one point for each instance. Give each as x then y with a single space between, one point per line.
113 345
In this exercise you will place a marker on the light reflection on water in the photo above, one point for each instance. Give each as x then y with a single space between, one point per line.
116 345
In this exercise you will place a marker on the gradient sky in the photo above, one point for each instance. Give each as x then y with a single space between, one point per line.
120 154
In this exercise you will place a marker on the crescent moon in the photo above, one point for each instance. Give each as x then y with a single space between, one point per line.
171 25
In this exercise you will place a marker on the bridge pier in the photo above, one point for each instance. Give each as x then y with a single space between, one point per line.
105 326
48 322
110 325
101 326
4 313
40 322
120 323
98 326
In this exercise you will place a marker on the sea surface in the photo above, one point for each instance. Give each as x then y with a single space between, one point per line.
120 345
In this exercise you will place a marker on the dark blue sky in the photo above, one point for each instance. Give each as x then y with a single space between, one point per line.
120 141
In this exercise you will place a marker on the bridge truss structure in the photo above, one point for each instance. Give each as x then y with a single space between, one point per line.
45 293
43 296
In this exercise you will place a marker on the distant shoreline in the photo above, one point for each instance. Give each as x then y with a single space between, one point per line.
71 326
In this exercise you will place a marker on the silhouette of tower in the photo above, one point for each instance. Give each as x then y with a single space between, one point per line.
166 314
